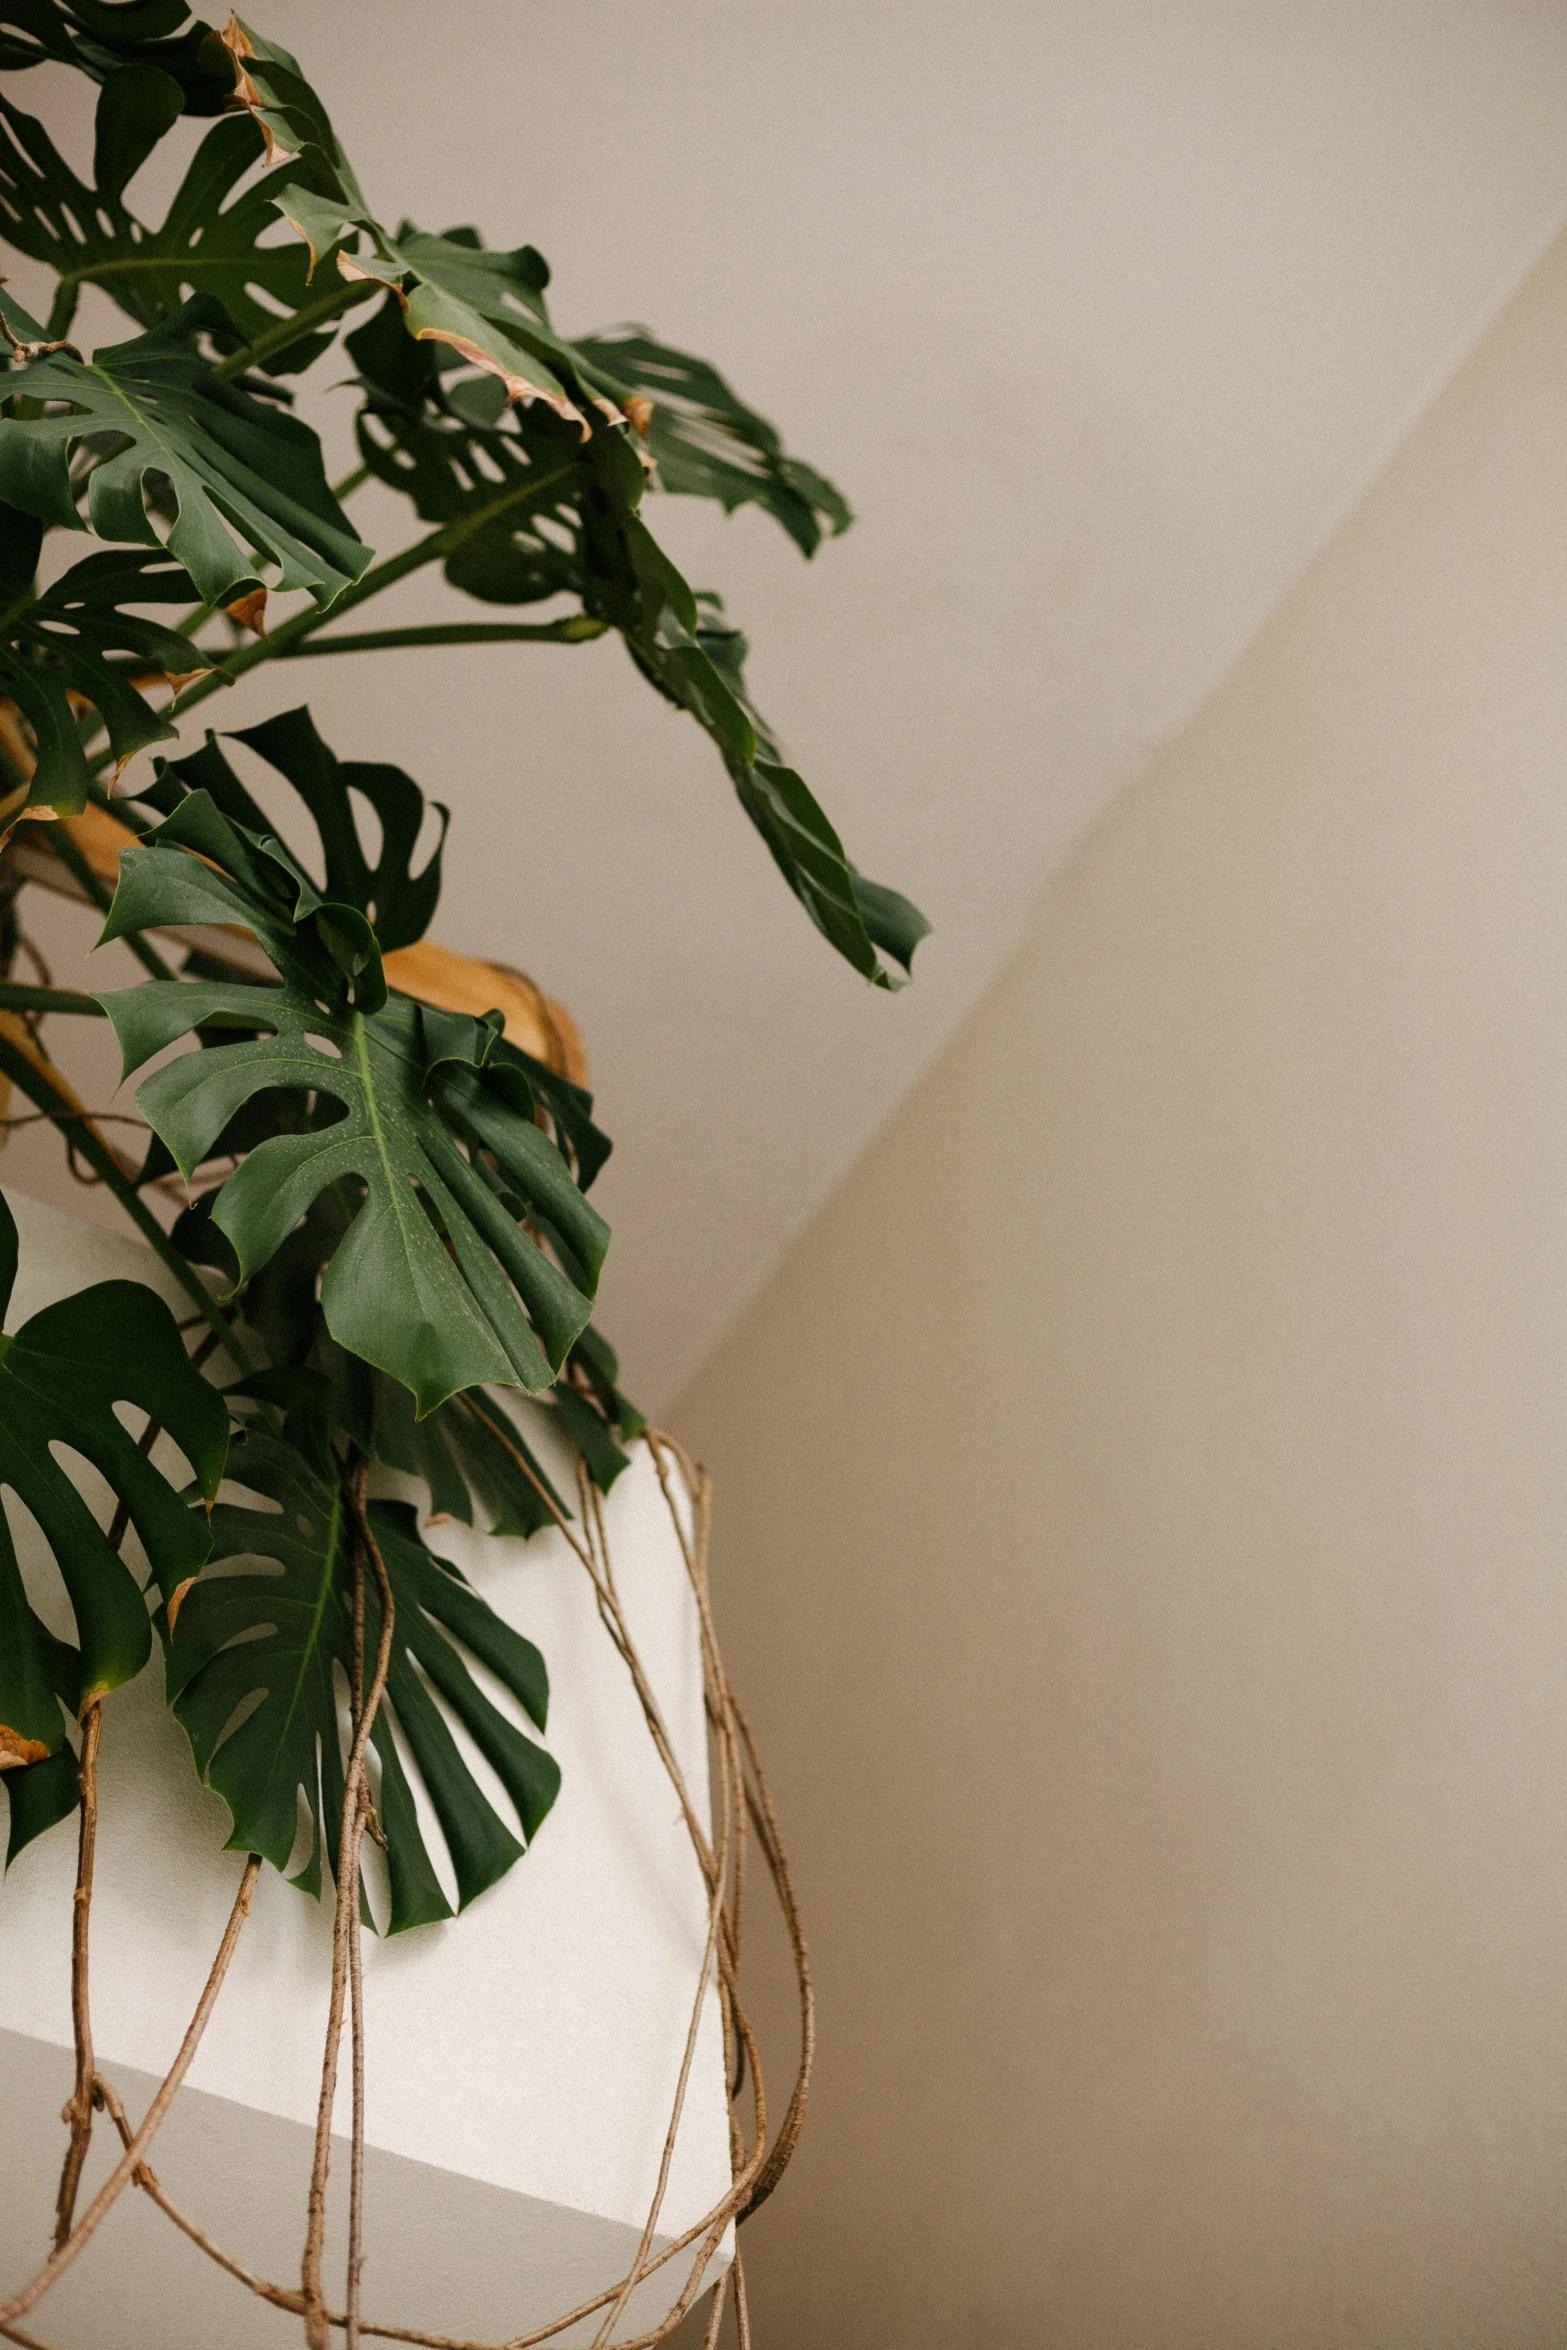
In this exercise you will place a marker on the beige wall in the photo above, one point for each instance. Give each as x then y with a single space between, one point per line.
1142 1499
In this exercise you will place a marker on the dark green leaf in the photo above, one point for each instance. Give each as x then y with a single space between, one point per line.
707 443
683 645
487 307
41 1796
396 901
585 1426
534 514
100 37
61 1376
211 238
160 423
470 1452
596 1359
280 1635
569 1106
61 644
136 105
44 1793
421 1108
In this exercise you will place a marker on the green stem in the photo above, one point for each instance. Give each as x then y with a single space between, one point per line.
350 482
289 331
68 1121
74 862
579 629
15 997
434 547
63 309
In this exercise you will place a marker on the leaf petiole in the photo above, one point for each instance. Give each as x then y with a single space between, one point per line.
14 997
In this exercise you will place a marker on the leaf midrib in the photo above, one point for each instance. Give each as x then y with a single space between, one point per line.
395 1187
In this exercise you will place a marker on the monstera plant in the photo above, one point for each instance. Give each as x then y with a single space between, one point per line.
385 1211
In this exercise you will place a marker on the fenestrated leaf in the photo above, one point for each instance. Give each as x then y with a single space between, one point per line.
282 1633
683 645
397 902
707 443
61 643
159 419
470 1451
515 492
434 1280
532 526
61 1376
699 659
538 516
210 240
487 307
101 37
477 1463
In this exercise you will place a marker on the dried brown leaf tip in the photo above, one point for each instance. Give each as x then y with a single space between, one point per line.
16 1752
236 41
177 1596
250 611
636 412
518 387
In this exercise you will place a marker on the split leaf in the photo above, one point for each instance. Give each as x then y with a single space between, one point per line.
244 478
61 1376
285 1634
101 37
396 901
706 442
62 644
435 1280
213 240
530 513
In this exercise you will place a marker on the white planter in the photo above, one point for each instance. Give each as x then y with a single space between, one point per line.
521 2061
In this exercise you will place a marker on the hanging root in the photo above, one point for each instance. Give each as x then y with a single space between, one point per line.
745 1808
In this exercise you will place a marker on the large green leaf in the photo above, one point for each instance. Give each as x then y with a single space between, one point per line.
211 238
62 642
395 900
61 1376
102 37
471 1451
436 1280
241 473
278 1636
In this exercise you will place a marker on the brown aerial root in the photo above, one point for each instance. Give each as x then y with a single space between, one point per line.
119 2178
79 2111
744 1808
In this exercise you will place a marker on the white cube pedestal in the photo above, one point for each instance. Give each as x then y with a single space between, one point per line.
521 2060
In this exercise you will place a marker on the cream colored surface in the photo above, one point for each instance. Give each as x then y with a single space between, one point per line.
1142 1498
